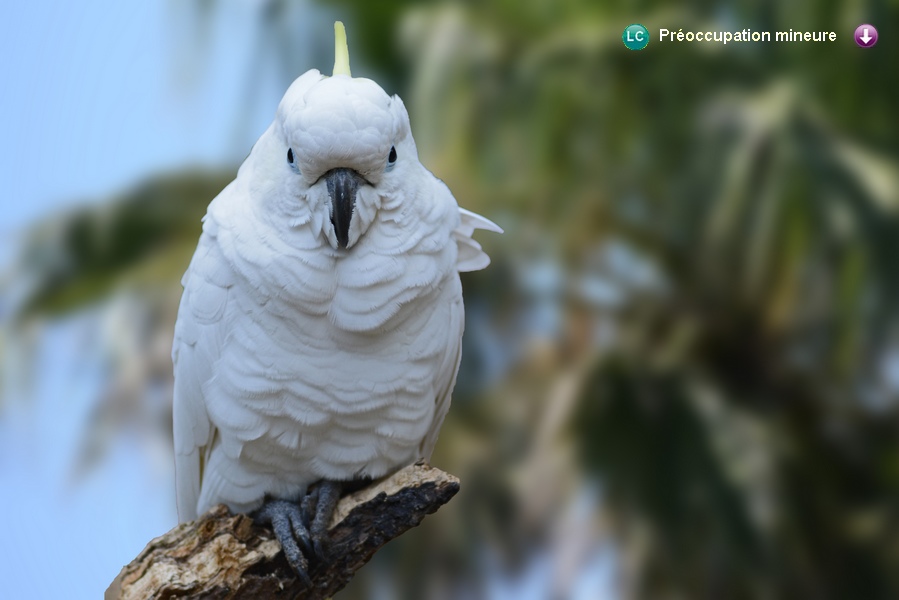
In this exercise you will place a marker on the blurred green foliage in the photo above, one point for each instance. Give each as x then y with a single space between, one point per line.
730 391
149 233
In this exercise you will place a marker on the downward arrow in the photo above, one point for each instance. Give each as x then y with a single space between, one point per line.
865 37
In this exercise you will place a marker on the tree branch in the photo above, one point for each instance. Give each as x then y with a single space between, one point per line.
225 556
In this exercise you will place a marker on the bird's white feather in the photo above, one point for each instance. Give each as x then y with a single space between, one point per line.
298 360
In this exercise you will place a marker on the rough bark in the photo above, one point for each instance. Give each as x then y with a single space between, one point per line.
221 555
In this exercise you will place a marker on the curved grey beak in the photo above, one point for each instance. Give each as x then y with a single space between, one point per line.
342 186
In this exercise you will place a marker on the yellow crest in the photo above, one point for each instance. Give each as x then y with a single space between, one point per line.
341 51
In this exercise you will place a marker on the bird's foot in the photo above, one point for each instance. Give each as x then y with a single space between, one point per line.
286 519
302 529
318 508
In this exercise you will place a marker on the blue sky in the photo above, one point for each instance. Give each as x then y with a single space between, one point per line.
100 94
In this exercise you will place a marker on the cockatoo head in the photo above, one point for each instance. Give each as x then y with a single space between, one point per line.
342 146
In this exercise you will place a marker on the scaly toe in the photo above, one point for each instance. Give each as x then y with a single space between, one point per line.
286 519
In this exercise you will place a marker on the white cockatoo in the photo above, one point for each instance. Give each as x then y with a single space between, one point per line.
319 334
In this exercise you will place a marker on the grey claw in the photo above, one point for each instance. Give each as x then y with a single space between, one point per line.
302 528
328 493
309 504
286 520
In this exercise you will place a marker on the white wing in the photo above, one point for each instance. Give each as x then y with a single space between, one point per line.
446 375
470 257
199 334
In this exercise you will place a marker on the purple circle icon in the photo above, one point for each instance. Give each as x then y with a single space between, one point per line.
865 36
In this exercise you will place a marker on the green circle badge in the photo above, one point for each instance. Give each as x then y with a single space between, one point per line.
635 37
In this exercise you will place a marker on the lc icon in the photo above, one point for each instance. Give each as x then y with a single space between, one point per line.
635 37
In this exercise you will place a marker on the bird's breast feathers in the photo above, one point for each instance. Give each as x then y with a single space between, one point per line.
341 361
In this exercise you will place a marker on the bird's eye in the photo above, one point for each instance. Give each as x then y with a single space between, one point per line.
391 158
291 160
